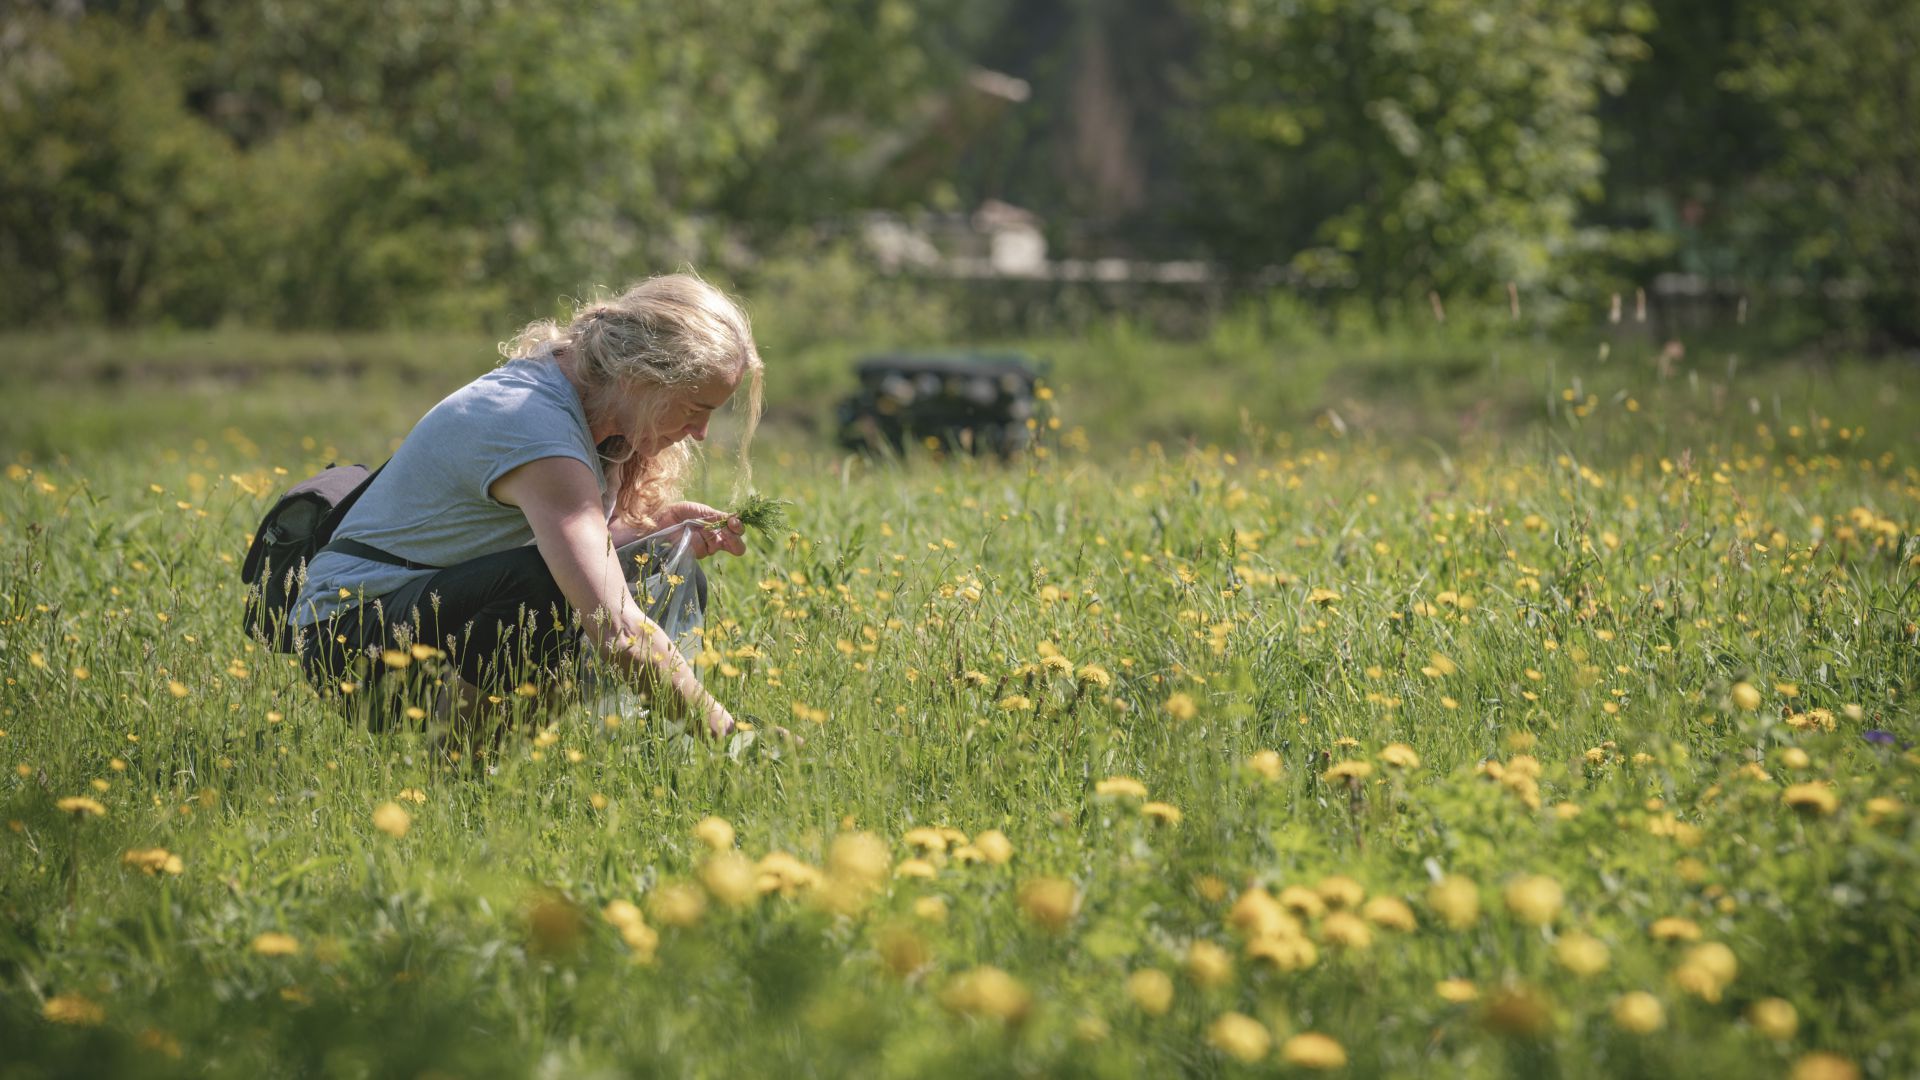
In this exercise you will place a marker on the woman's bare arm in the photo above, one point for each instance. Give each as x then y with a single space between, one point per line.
562 504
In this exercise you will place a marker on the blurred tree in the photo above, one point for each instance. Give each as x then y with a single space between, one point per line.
111 191
1843 82
1404 145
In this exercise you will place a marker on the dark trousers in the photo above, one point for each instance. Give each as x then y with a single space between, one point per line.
499 620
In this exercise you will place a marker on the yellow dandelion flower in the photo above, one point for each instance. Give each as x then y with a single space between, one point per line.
1775 1018
1312 1050
1291 953
621 913
1456 900
1341 891
1390 913
1240 1036
413 795
1457 991
859 858
1121 786
784 873
1745 696
927 838
1049 903
916 868
931 908
1674 928
389 818
1208 965
1438 666
990 992
1165 813
1811 798
1016 703
1715 959
275 943
1535 898
731 878
1096 676
715 832
74 1010
994 847
1302 901
1399 756
151 861
1323 596
1582 954
1344 929
677 904
1638 1012
1821 1065
1266 764
1151 991
82 806
1348 771
1181 706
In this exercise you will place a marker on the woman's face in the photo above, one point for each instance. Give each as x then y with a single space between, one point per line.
684 415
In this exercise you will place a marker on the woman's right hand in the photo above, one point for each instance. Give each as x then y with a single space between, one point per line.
719 720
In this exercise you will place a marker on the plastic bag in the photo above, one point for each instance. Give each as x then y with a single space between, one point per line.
671 589
668 584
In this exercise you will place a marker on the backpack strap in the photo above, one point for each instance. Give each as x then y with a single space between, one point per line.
367 551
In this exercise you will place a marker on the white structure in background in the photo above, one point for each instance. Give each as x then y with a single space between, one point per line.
1015 245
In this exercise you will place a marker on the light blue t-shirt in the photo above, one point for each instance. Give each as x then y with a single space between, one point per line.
430 503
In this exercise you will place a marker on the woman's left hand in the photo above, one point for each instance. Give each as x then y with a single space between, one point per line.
707 539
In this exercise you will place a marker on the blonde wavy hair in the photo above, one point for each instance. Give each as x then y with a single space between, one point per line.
673 332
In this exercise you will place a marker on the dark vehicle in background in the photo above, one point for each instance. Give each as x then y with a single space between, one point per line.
970 402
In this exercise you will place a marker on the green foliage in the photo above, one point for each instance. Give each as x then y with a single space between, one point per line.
1401 146
1841 86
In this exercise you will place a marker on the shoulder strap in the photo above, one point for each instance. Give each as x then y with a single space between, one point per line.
368 551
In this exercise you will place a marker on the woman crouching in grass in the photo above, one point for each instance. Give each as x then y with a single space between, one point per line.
491 534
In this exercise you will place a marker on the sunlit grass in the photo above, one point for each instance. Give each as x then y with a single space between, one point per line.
1573 743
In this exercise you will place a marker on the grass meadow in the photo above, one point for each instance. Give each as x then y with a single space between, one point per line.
1480 708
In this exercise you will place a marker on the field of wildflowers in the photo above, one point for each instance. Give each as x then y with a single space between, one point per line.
1577 744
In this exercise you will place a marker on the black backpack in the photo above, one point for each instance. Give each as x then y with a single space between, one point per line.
299 525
